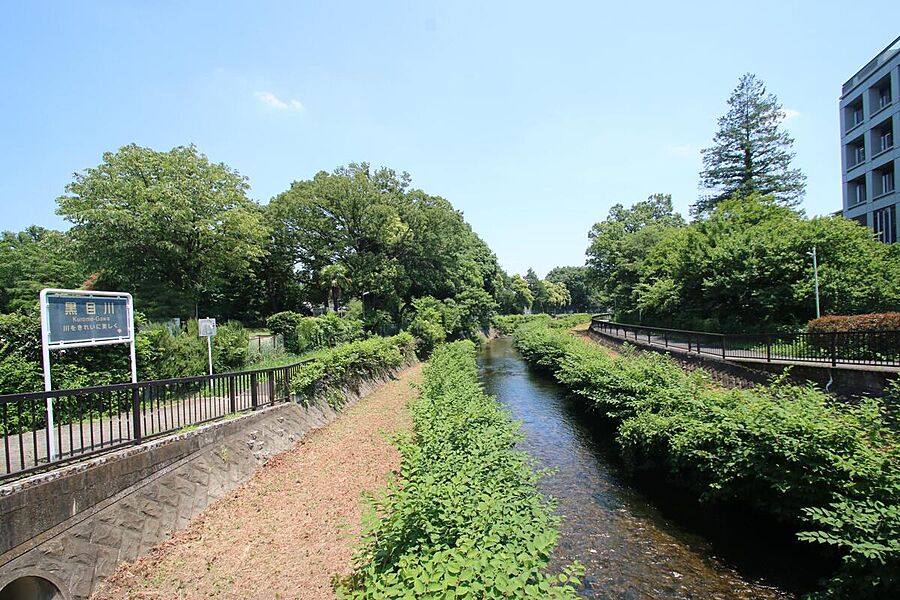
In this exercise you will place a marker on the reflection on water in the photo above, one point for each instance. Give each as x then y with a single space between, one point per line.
629 548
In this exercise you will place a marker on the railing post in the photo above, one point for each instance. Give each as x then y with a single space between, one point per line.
232 397
254 390
723 347
136 416
271 386
833 349
768 348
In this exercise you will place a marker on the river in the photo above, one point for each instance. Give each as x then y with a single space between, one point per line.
632 546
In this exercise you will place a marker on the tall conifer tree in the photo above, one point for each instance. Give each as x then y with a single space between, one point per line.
750 152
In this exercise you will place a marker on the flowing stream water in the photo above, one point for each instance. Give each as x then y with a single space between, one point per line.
632 547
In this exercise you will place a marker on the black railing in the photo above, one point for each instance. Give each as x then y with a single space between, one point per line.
96 419
874 348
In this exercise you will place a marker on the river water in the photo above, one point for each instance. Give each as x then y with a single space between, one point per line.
631 546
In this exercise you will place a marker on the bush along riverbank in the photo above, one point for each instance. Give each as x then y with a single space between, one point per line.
829 471
332 371
463 518
507 324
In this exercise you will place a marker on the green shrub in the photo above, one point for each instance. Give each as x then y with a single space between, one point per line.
302 334
285 324
427 324
790 451
327 331
506 324
348 364
464 519
869 322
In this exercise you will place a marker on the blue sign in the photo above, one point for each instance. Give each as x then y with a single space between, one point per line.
86 318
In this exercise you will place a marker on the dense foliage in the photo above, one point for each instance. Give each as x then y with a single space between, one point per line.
507 324
830 471
750 154
347 365
744 267
870 322
302 334
34 259
581 285
171 227
160 355
362 232
464 518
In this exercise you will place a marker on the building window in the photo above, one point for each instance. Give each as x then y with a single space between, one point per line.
859 154
884 223
885 139
857 191
880 94
884 96
883 179
854 114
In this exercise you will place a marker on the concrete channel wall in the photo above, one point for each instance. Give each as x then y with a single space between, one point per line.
63 531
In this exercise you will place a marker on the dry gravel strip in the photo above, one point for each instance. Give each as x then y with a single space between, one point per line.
290 529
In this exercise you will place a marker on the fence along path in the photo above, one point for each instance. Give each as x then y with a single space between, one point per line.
876 350
98 419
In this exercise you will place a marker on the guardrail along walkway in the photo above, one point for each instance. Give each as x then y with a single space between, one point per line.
879 350
97 419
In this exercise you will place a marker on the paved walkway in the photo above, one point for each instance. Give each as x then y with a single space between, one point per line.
288 531
712 348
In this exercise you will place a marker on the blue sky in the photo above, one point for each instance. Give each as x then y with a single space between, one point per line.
532 118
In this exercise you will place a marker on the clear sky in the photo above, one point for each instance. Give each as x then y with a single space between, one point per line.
532 118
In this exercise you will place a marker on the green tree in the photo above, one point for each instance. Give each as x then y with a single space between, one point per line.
746 268
621 244
750 153
581 285
522 298
396 243
335 279
170 226
34 259
538 290
558 296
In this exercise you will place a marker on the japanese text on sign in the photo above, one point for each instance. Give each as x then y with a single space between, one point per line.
86 318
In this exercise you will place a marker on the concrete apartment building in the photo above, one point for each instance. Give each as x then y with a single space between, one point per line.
870 154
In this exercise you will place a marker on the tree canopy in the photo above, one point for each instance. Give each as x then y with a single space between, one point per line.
743 267
581 285
750 154
171 226
395 243
34 259
621 244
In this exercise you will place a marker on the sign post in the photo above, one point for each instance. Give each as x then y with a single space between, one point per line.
207 329
79 318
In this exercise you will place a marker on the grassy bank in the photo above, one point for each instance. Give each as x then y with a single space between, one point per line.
464 518
830 471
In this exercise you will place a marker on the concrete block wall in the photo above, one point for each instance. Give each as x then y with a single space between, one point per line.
62 532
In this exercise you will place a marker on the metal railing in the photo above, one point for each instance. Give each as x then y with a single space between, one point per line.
874 348
97 419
